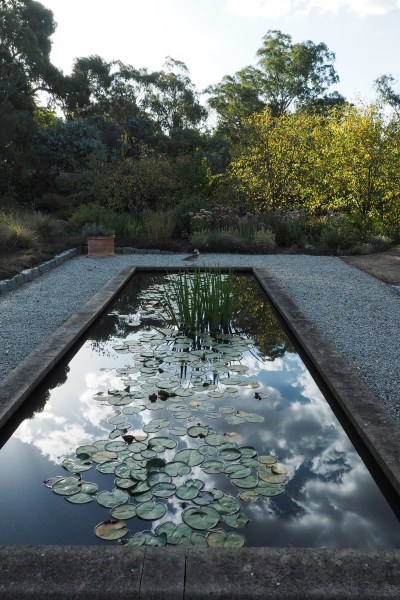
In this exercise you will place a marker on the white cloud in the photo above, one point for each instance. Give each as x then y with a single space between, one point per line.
274 9
269 9
361 7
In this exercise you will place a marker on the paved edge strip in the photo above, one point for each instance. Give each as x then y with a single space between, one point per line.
16 387
35 272
99 573
365 412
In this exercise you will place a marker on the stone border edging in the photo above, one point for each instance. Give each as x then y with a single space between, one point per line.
31 274
99 573
109 573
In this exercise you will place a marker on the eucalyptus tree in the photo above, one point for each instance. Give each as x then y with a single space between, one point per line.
26 27
287 76
386 91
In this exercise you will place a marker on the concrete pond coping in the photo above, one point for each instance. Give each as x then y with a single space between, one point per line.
105 573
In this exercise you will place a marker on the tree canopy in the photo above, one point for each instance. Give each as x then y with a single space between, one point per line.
287 76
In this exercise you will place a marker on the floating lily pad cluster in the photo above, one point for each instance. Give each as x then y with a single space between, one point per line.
161 463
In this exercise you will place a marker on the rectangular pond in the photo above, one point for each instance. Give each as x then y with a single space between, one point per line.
155 437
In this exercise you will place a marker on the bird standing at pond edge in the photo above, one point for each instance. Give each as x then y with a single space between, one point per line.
193 256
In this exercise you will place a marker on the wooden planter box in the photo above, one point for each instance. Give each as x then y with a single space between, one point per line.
100 245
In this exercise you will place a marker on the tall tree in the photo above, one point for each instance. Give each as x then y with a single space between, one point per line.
293 73
25 68
384 87
287 76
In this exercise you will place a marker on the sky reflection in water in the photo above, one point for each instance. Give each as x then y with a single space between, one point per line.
330 498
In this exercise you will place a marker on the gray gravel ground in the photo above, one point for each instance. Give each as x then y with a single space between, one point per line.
357 313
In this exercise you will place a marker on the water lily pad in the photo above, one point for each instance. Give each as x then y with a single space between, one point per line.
85 451
150 511
254 418
188 491
270 489
227 409
184 392
155 425
270 477
67 486
137 447
116 446
177 469
123 483
195 540
102 456
178 431
248 451
138 474
50 482
158 477
227 505
109 466
80 498
203 517
197 431
250 462
139 539
124 511
174 532
183 414
208 450
190 457
237 471
113 498
249 495
230 453
212 466
120 400
133 410
215 394
230 380
75 465
247 483
221 539
238 368
111 530
204 498
236 520
146 454
163 490
142 497
215 439
279 469
159 444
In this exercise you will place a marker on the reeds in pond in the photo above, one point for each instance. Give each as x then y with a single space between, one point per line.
201 301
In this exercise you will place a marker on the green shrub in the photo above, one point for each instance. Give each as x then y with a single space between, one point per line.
224 240
125 226
185 210
158 225
16 231
264 239
46 227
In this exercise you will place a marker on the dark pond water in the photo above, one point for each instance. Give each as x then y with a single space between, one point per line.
315 491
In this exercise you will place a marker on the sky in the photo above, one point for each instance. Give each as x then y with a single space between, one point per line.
219 37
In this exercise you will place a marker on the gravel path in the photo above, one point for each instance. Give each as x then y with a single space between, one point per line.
358 314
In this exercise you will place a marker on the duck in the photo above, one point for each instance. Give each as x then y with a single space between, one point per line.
193 256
